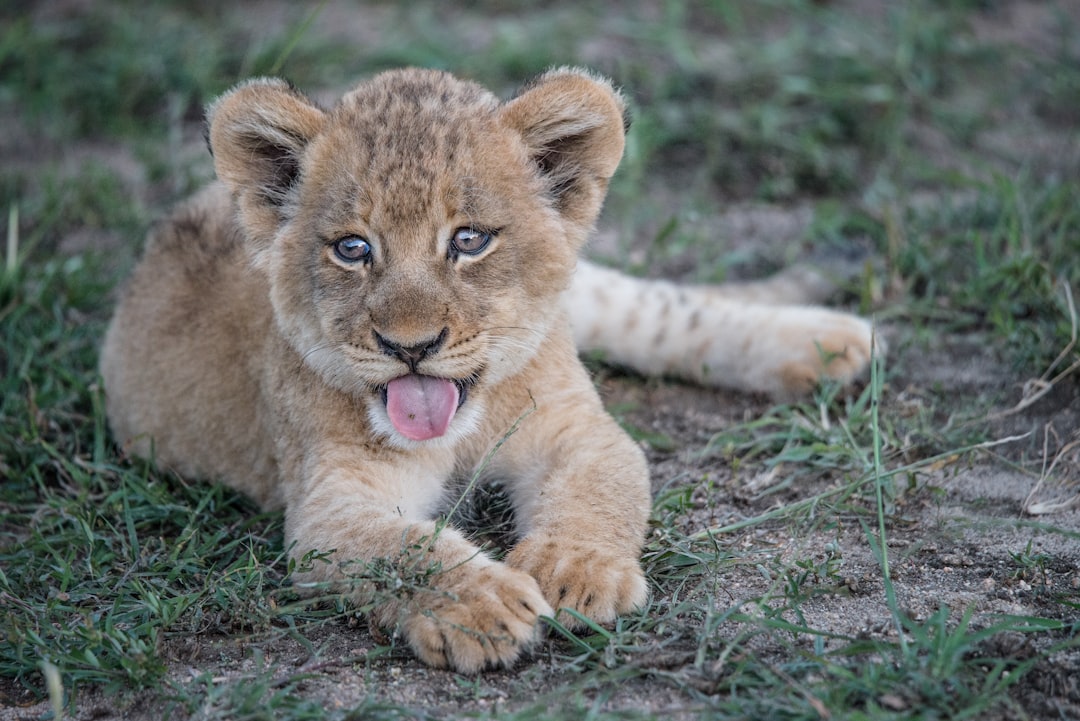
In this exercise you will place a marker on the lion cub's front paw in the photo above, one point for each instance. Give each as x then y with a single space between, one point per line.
830 345
595 580
475 616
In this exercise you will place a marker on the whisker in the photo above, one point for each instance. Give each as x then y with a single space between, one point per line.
314 349
493 329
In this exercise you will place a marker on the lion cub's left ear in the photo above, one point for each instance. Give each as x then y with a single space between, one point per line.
574 126
258 132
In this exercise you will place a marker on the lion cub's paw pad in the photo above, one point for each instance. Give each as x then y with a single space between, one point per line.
476 618
597 582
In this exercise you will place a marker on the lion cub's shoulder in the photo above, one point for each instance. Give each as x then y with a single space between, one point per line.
199 236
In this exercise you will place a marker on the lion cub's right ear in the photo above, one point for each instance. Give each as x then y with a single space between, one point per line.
257 133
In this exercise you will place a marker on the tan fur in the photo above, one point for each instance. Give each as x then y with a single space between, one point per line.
246 350
751 337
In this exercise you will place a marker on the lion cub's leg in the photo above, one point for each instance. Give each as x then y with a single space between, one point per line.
580 489
455 606
752 337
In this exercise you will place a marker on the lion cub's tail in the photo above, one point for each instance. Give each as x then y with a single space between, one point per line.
758 337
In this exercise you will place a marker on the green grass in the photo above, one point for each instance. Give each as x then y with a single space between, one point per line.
110 570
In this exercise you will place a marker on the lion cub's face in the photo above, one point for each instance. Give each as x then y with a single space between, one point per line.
417 235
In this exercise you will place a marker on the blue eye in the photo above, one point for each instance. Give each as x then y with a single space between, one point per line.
469 241
352 249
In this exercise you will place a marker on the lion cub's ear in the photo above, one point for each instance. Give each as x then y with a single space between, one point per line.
574 126
257 134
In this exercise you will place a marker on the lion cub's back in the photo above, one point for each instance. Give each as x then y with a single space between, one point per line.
181 354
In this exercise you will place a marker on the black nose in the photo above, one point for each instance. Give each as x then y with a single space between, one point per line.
411 355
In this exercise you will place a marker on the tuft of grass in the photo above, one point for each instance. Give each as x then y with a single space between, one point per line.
128 69
999 261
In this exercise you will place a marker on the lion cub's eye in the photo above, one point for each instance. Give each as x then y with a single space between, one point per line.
469 241
352 249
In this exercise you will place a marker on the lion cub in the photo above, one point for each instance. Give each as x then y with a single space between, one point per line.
377 294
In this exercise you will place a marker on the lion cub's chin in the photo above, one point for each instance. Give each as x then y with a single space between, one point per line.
462 423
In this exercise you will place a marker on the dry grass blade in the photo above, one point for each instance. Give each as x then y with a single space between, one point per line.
1036 389
1039 508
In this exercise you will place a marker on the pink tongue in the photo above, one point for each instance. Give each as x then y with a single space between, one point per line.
421 407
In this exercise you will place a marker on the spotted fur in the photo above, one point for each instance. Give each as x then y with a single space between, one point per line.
761 337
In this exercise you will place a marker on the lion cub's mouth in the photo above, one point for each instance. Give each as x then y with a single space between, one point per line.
421 407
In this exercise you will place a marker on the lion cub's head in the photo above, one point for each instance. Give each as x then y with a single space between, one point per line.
416 236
